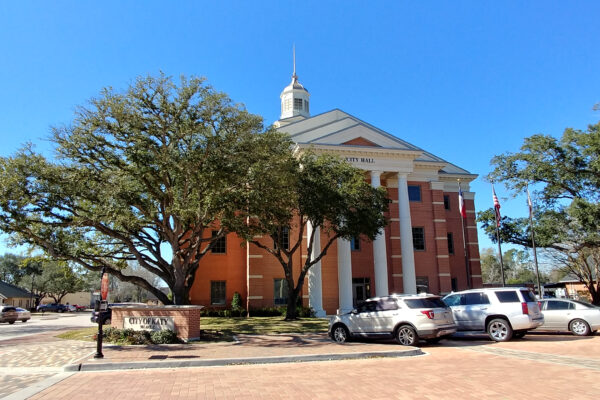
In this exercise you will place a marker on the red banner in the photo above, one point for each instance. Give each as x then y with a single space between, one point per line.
104 286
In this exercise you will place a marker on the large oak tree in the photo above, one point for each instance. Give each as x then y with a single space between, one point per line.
566 173
154 174
327 193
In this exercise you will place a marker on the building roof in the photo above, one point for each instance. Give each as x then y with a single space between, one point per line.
11 291
337 128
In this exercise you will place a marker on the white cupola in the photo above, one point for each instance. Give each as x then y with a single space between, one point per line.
294 98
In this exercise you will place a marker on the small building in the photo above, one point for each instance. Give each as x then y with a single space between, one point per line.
12 295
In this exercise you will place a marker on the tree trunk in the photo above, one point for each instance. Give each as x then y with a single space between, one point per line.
291 313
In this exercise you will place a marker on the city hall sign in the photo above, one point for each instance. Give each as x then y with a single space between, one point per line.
148 323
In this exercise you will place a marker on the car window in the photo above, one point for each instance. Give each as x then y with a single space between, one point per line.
453 300
508 296
528 296
476 298
552 305
583 304
387 305
367 306
432 302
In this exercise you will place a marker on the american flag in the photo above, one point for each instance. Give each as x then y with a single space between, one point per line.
496 206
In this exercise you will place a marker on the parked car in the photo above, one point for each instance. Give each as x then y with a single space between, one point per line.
8 314
406 318
52 307
570 315
503 313
23 315
80 308
108 313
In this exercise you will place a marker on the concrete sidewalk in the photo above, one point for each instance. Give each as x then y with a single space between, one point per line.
247 349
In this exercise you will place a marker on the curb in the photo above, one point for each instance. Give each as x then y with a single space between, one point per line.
88 367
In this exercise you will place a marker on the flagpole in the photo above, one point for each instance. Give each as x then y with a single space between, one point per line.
466 249
496 208
535 260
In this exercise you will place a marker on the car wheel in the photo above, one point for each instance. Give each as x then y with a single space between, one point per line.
406 336
340 334
519 334
24 320
579 327
11 322
499 330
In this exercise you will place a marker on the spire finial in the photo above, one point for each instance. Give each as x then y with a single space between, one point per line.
294 58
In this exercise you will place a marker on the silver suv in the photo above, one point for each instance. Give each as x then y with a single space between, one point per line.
406 318
503 313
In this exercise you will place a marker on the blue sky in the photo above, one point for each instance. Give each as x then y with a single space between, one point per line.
464 80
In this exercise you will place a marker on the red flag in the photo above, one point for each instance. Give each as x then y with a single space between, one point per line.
496 206
461 203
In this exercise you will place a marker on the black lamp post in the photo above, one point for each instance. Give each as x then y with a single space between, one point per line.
100 318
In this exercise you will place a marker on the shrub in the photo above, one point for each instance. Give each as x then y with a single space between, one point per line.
129 336
164 337
236 302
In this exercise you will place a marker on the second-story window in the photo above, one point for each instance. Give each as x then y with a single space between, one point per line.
414 193
220 246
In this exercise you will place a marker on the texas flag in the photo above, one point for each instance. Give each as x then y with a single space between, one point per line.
461 202
496 206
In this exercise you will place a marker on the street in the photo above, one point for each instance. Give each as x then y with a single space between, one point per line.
46 322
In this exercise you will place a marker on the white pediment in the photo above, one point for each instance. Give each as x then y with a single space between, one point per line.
338 129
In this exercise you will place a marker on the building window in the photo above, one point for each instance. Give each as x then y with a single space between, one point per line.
217 292
220 245
288 104
450 244
418 238
414 193
280 291
306 105
422 284
355 243
446 202
454 284
284 239
297 104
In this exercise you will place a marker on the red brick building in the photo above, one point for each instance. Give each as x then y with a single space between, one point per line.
422 249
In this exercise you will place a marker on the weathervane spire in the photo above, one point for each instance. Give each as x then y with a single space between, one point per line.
294 59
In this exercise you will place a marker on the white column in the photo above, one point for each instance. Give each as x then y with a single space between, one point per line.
344 276
315 290
409 277
379 250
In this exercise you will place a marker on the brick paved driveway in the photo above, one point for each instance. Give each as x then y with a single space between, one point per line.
537 367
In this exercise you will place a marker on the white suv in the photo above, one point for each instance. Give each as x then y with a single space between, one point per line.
407 318
503 313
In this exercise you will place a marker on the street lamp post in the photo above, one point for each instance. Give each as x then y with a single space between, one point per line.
101 309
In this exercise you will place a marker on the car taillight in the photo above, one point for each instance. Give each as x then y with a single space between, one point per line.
525 308
540 305
430 314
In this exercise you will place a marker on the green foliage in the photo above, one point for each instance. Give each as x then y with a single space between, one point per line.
131 337
164 337
566 174
137 170
327 193
236 302
11 268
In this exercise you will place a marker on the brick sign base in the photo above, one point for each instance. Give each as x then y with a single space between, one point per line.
186 319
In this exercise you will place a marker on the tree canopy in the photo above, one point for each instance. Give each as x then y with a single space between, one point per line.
161 165
566 174
326 192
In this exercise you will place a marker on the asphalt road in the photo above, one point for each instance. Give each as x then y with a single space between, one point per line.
44 323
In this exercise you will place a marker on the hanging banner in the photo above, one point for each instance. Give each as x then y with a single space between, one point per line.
104 286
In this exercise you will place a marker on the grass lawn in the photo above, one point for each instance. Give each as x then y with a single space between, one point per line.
215 328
